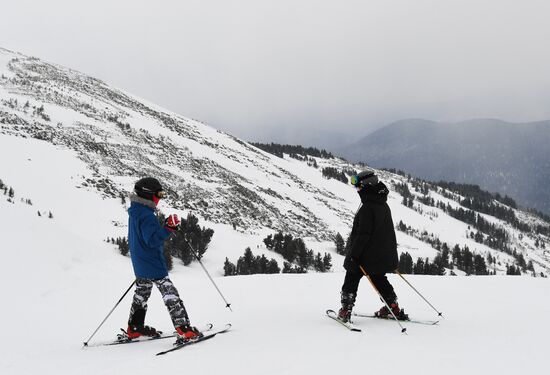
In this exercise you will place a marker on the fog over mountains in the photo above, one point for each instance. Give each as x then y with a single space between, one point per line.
509 158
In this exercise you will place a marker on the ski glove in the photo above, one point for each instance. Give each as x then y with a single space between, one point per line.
172 222
351 264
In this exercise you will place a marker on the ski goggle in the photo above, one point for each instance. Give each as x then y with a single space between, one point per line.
160 194
354 180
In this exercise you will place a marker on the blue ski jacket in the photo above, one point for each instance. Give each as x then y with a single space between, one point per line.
146 239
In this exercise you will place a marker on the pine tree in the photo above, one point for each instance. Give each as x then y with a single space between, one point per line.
246 263
401 226
273 267
123 245
318 264
261 264
419 267
340 244
229 269
438 267
445 252
406 263
287 267
268 241
479 265
327 262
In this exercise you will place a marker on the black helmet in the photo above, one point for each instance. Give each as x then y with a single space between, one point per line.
148 187
364 178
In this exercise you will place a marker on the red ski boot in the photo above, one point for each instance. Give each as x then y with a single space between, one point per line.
344 315
187 332
384 312
134 332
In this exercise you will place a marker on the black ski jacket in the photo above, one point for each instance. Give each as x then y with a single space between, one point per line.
372 240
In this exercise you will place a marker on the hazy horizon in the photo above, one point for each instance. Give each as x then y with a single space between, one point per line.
310 72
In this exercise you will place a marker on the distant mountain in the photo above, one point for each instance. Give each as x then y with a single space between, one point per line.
509 158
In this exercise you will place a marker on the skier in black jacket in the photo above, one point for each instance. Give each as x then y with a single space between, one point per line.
372 246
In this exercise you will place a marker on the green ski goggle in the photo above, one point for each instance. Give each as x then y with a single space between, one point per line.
354 180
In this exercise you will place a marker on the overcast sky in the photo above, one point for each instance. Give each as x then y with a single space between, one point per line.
313 72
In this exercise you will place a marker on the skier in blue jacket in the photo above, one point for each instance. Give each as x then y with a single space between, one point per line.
146 239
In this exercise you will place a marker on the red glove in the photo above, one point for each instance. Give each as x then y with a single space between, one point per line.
172 222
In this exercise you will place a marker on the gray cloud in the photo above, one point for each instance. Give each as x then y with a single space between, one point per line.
311 72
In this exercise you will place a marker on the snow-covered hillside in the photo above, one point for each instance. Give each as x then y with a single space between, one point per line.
71 147
59 283
120 137
232 186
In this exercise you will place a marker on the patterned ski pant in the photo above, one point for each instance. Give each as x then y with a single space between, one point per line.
170 296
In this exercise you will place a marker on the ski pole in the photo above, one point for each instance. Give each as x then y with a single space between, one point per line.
110 312
227 304
438 312
403 329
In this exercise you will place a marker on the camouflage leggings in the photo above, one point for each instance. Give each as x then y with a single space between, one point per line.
170 296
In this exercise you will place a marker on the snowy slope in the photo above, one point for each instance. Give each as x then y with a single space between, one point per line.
50 114
60 283
88 146
119 137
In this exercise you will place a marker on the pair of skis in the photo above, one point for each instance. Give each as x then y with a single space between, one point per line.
208 332
333 315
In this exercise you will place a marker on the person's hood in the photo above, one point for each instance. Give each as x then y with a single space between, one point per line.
374 193
134 198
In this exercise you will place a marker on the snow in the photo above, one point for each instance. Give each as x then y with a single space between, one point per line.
61 278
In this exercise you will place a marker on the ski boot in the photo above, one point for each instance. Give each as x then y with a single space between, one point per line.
348 301
384 312
344 315
135 331
186 332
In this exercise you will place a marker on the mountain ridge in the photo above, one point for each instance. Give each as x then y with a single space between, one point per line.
509 158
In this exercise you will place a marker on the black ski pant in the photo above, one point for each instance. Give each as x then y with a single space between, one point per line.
351 284
170 296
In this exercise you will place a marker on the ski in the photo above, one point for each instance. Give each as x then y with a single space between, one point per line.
122 338
332 314
427 322
179 345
